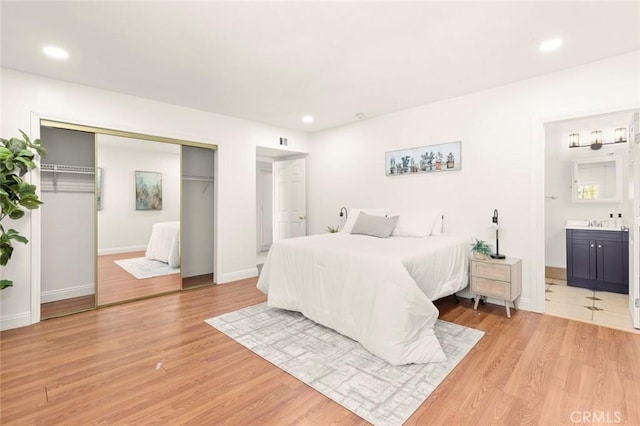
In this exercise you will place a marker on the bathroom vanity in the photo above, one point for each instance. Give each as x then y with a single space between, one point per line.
598 258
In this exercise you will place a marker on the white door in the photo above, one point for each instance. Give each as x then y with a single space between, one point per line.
265 209
290 218
634 226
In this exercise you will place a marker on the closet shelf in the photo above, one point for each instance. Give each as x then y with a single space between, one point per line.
61 168
198 178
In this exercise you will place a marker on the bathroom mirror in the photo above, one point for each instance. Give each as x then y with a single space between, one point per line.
597 180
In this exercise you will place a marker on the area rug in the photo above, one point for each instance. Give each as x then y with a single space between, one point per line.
141 267
341 368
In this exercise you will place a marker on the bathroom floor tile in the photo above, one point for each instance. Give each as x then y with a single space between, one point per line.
569 295
613 302
565 310
560 282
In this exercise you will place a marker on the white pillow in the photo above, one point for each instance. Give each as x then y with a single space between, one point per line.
418 224
353 215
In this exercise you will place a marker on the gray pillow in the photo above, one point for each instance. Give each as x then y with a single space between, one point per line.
376 226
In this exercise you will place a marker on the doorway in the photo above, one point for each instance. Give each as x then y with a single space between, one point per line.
280 186
571 205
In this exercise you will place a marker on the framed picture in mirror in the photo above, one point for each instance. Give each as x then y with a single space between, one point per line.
148 190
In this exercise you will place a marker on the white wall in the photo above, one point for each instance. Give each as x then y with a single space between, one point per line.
26 97
502 136
122 228
558 178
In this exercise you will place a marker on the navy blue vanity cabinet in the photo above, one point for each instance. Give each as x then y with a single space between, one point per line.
598 260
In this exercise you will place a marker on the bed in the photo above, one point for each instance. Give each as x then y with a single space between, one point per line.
164 243
377 291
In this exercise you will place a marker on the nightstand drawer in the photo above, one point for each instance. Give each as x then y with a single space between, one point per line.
488 287
492 271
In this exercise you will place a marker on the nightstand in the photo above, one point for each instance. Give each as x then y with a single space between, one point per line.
499 278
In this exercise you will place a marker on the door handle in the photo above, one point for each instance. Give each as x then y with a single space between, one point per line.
599 245
592 245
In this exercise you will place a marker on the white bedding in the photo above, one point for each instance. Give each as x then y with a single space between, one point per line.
377 291
164 243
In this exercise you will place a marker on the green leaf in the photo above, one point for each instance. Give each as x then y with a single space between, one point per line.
6 249
16 214
5 284
12 234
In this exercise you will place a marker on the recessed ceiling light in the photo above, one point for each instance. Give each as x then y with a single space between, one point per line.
307 119
55 52
551 44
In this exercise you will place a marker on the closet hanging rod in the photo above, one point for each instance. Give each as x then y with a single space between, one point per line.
62 168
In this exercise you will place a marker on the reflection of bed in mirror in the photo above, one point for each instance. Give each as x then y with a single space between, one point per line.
164 243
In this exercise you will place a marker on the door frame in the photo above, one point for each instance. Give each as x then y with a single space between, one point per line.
537 273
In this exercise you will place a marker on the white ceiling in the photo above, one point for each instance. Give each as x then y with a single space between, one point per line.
273 62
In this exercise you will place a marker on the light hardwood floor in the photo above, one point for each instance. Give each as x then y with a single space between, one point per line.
117 285
156 361
67 306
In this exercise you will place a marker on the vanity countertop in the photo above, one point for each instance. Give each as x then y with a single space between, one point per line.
592 228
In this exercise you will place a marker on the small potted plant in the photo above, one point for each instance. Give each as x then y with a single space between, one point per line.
439 158
480 249
450 161
332 229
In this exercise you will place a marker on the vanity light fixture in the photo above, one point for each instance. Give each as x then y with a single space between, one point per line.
620 135
55 52
574 140
596 139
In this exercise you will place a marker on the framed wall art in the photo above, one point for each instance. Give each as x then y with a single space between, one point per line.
425 159
148 190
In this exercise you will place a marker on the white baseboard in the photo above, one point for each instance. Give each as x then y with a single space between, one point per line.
67 293
15 321
118 250
238 275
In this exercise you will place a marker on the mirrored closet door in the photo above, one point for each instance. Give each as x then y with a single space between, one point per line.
138 207
126 216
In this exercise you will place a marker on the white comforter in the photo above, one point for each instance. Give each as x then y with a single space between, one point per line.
164 243
375 291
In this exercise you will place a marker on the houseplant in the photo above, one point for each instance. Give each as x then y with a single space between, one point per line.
332 229
16 195
480 249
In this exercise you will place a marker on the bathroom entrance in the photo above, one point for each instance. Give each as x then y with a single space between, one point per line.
589 213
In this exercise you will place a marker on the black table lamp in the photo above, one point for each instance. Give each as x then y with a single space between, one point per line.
497 254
